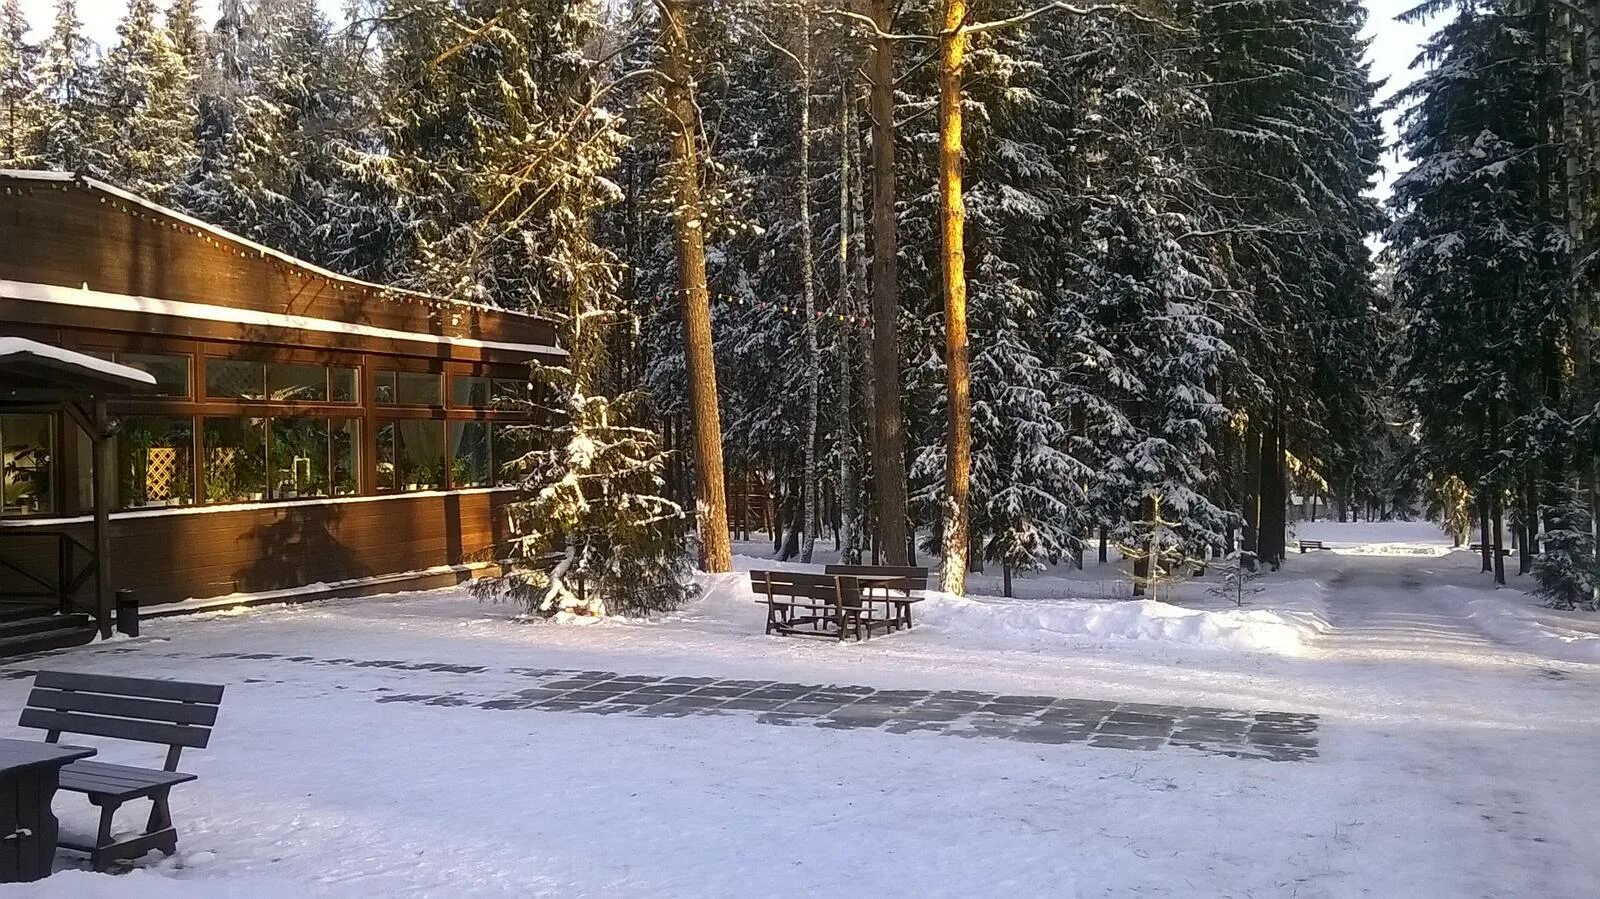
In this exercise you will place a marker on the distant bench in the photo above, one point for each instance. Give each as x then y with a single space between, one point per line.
1310 544
1478 548
846 601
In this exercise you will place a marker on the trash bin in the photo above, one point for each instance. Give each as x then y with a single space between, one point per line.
127 613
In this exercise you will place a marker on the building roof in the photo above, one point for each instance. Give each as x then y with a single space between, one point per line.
33 365
97 186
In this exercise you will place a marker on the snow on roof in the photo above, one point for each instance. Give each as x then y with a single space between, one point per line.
11 347
101 186
97 299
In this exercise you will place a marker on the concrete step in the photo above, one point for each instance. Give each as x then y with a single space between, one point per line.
16 627
41 641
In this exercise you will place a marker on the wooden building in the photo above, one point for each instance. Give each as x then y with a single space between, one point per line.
306 428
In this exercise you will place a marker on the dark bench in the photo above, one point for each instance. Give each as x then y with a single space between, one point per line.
898 587
174 714
1310 544
1478 548
816 605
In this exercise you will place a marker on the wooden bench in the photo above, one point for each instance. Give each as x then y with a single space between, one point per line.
1478 548
1310 544
898 587
174 714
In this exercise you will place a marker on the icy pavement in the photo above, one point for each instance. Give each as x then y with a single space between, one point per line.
428 745
1269 735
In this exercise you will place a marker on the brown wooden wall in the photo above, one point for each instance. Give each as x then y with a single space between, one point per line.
66 234
167 558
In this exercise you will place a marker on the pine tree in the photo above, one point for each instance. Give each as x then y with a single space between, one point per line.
22 116
145 117
1479 258
67 89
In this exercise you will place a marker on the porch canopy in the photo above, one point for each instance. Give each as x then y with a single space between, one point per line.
38 375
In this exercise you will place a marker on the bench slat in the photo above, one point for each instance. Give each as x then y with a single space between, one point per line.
124 707
119 728
125 775
144 688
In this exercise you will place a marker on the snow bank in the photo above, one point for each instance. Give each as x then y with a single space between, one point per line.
1028 622
1525 628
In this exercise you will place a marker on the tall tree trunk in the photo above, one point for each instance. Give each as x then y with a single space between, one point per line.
1486 544
952 216
1580 131
808 292
716 551
1250 537
849 494
888 439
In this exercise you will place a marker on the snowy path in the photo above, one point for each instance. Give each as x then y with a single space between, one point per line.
427 746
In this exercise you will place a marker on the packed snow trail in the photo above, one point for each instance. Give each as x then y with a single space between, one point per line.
1384 609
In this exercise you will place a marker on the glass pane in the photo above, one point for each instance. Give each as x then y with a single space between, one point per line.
346 385
235 379
235 454
511 393
27 449
346 457
418 388
411 455
386 457
300 457
469 448
512 444
469 393
155 461
383 383
171 372
289 382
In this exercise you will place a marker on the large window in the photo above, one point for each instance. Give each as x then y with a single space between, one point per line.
27 451
409 388
312 457
155 461
470 459
235 456
511 445
411 455
170 371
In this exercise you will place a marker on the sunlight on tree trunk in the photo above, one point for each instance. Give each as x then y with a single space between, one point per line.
716 552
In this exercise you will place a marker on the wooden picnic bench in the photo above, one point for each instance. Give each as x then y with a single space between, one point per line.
175 714
1310 544
898 587
1478 548
852 601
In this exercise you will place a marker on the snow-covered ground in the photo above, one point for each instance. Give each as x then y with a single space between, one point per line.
367 748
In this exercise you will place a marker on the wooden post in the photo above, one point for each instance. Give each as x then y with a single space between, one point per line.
105 487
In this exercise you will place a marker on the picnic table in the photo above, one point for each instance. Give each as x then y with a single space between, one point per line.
843 602
30 773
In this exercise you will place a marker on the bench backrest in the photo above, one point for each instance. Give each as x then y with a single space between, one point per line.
174 714
804 585
908 578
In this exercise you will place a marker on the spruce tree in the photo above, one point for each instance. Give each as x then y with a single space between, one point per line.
145 113
22 115
67 88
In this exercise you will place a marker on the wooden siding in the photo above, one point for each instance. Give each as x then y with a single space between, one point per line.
68 235
202 554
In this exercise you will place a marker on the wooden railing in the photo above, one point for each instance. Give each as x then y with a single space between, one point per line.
68 578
